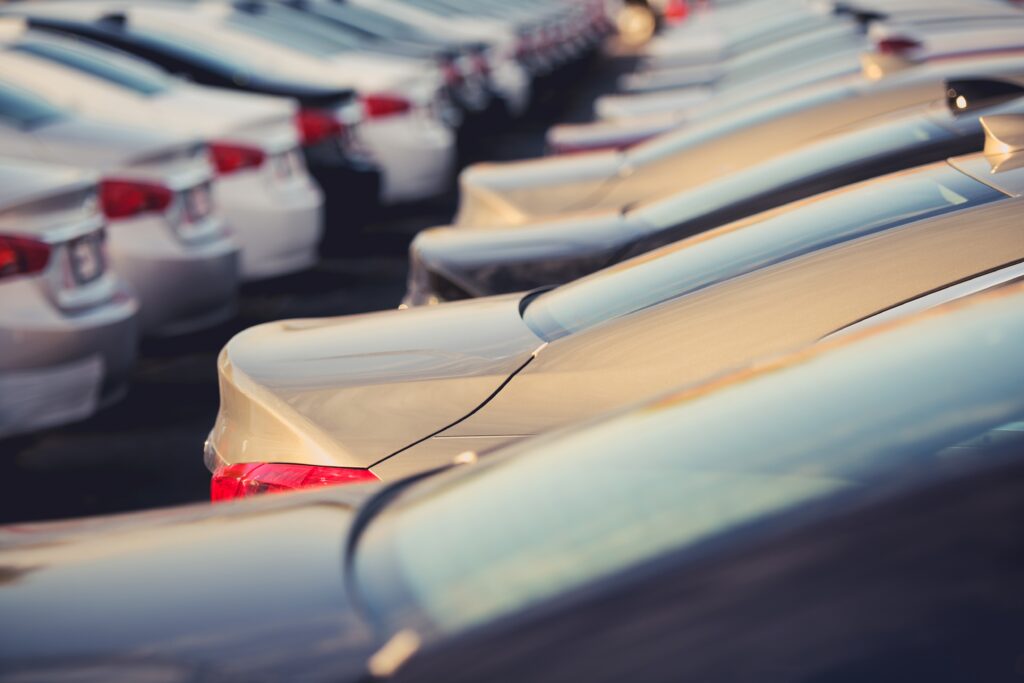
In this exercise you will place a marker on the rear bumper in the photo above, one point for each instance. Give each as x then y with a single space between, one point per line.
417 157
62 368
279 228
181 288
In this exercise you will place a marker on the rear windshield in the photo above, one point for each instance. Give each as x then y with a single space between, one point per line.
102 64
284 28
174 42
367 20
435 7
688 266
25 110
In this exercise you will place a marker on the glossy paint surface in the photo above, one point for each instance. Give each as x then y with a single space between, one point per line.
511 193
247 592
562 248
352 391
735 322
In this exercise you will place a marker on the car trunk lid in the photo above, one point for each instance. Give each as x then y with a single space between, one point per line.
353 391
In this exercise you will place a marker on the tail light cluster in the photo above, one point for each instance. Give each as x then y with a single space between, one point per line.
382 105
22 256
228 158
251 479
317 125
677 11
126 198
898 45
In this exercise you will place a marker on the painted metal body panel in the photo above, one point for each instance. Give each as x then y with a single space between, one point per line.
734 323
352 391
67 347
739 314
246 592
512 193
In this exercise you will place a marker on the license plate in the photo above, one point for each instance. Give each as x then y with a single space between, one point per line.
198 203
86 257
283 167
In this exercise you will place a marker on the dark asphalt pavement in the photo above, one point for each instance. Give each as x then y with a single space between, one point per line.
146 451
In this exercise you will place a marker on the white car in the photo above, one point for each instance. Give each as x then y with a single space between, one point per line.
508 74
742 27
164 237
832 53
405 128
263 189
67 322
515 192
631 119
712 36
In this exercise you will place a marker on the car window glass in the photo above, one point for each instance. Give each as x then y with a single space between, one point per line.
367 20
25 110
176 42
119 71
305 34
688 266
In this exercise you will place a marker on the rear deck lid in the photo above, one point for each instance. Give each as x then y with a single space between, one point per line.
352 391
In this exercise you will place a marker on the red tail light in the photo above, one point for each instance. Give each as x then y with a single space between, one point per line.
315 125
228 158
897 45
255 478
381 105
124 198
22 256
677 11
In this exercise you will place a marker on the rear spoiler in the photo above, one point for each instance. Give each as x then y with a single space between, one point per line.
309 96
864 17
1004 134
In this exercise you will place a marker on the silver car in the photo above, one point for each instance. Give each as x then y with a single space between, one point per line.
67 322
387 394
165 237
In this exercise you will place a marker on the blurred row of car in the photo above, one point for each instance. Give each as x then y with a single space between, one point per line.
155 155
730 395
